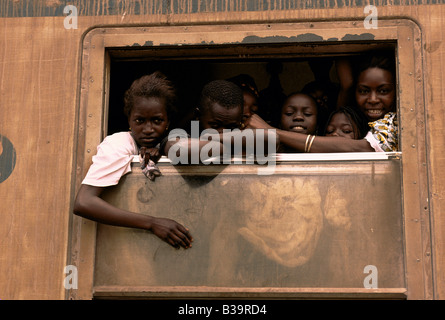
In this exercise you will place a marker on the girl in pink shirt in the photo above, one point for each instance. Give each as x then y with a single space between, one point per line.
148 105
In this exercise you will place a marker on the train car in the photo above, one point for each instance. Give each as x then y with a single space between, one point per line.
317 226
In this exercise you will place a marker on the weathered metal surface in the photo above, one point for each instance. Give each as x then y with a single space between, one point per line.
49 8
297 228
42 114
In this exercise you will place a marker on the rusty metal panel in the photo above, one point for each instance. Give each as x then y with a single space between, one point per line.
308 225
50 8
415 237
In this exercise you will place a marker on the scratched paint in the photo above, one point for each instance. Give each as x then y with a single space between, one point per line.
307 37
7 158
50 8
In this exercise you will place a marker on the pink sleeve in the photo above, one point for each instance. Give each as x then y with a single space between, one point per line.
112 161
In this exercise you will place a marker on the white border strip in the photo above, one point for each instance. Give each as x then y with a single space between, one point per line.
343 156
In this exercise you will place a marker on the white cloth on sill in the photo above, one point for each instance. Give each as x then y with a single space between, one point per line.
373 142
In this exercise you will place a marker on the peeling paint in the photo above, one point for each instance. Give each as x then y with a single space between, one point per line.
363 36
306 37
7 158
54 8
309 37
146 44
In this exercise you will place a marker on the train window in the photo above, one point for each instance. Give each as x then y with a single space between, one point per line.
323 225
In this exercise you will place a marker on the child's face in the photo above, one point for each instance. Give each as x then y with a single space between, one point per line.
250 105
375 93
219 118
341 126
299 114
148 121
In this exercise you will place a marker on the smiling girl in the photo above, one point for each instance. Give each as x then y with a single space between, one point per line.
375 96
298 114
149 103
346 122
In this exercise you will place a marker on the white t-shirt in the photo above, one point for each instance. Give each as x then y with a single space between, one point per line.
112 161
373 142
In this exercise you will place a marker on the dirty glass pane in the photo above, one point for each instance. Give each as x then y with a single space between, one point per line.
310 224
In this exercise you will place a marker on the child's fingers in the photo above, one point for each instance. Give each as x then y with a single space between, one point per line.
183 239
155 155
145 154
185 232
146 157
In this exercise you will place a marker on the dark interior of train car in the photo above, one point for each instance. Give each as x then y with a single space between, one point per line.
275 70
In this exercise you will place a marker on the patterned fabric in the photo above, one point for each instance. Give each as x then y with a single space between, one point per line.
385 131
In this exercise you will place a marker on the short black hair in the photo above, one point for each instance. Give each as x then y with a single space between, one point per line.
300 93
356 117
246 83
225 93
155 85
377 59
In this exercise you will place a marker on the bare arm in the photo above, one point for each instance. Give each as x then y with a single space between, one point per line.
241 142
324 144
193 146
88 204
346 78
320 144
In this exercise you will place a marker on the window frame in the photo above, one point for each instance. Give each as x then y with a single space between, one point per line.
101 44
